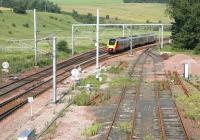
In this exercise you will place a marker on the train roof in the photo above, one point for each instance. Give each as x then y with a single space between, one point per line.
134 36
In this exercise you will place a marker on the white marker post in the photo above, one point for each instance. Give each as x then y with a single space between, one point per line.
186 71
75 73
5 65
35 35
5 69
97 45
30 100
54 70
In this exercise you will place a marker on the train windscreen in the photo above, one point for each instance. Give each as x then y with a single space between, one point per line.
112 41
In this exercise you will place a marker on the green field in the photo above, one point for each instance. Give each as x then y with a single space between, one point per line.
131 12
16 27
12 25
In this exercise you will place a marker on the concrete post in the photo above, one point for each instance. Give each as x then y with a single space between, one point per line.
54 70
162 36
72 40
35 35
97 45
123 30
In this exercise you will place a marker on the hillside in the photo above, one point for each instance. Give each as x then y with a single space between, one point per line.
17 26
134 12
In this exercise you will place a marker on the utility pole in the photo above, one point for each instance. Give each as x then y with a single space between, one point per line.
1 3
46 6
162 29
123 26
72 40
97 45
54 70
160 36
35 35
131 40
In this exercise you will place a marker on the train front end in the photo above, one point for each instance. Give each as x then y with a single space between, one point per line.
111 46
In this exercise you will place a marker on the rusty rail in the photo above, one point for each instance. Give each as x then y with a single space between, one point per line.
161 123
136 99
181 120
159 113
115 114
186 92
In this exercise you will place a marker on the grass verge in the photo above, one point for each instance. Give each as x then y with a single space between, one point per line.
115 70
120 82
190 105
82 99
93 81
92 130
174 51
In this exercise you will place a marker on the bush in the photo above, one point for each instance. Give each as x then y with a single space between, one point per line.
93 81
107 17
26 25
147 21
1 11
63 46
19 10
3 20
74 13
82 99
197 49
51 17
115 70
13 24
10 32
92 130
44 26
116 18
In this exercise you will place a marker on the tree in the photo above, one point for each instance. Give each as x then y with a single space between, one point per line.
41 5
144 1
185 28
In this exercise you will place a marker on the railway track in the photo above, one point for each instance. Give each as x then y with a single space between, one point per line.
19 95
5 89
152 113
15 94
125 106
170 121
145 121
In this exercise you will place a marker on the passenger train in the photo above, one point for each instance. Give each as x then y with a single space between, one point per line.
120 44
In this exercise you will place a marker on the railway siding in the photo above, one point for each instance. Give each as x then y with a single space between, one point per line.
171 123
